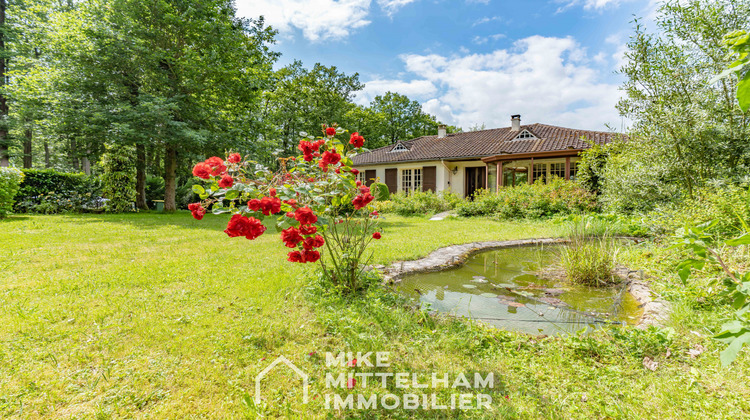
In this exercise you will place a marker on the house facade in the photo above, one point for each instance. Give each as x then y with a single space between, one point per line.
465 162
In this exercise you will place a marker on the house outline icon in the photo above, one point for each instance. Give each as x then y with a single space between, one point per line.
290 365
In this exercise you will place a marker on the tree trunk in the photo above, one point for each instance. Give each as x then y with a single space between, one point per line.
140 177
27 152
86 165
170 170
4 156
46 155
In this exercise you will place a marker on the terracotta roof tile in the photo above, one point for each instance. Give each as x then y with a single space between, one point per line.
486 143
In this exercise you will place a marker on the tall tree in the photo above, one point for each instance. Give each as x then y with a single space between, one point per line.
304 99
692 126
4 140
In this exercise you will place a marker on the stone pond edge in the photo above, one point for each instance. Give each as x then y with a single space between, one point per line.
655 309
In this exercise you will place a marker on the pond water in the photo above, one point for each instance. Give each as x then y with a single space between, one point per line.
501 288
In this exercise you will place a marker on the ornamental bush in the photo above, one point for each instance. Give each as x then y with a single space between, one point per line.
418 203
119 178
539 200
10 182
48 191
315 199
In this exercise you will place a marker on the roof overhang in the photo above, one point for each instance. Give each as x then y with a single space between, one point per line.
517 156
449 159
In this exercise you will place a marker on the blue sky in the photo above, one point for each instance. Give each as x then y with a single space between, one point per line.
469 61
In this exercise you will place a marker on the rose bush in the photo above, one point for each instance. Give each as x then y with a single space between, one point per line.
308 198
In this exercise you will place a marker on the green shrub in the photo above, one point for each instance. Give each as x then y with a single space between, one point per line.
588 259
608 224
119 178
539 200
10 181
154 190
728 206
48 191
418 203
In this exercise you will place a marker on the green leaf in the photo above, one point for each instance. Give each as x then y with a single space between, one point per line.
743 92
232 195
198 189
742 240
730 353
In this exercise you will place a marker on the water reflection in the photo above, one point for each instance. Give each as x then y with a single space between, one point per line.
500 288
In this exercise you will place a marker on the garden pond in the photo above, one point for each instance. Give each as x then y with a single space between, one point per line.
502 288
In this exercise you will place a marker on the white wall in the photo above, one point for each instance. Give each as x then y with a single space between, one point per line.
444 179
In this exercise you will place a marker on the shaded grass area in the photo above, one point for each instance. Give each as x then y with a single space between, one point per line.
162 316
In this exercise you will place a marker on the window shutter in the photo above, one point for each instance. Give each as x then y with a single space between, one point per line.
429 178
391 181
370 176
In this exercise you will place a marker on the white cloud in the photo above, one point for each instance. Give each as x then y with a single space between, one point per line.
487 19
479 40
547 80
317 19
589 4
391 6
416 89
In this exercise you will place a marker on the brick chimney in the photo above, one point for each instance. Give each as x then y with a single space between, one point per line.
515 121
442 132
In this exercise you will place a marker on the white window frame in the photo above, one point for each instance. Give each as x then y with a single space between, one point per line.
525 135
415 179
399 148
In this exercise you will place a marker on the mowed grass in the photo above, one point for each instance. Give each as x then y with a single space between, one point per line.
162 316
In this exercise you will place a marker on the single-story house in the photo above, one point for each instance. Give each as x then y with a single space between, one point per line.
466 162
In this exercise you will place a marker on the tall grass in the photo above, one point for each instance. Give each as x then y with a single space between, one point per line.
592 254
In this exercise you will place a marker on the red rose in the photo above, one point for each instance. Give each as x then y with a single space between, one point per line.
202 170
330 131
376 235
351 383
254 204
237 226
352 363
331 157
355 171
226 181
197 210
308 158
308 230
314 242
290 215
364 189
291 237
215 161
305 216
234 158
310 256
292 202
362 200
272 192
219 170
198 214
270 205
255 229
295 256
311 179
356 140
359 183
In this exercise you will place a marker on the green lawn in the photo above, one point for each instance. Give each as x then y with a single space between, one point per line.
162 316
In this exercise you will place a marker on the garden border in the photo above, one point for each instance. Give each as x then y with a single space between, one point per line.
655 309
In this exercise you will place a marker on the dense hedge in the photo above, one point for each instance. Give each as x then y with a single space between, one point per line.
10 180
119 178
539 200
418 203
49 191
